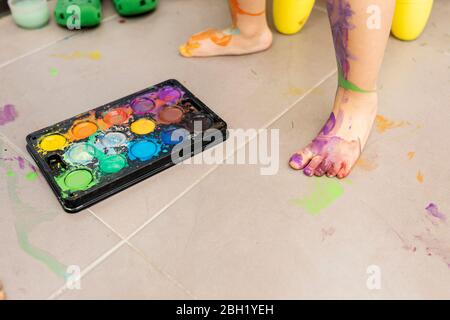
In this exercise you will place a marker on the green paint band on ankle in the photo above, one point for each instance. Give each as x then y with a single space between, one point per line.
344 83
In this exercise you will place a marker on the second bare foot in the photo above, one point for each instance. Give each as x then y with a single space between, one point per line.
213 42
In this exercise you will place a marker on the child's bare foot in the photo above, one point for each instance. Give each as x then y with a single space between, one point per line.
249 33
213 42
340 142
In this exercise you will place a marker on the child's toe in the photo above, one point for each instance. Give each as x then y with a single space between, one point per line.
312 166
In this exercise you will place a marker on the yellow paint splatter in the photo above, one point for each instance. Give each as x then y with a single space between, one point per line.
92 55
411 155
383 124
295 91
420 176
366 164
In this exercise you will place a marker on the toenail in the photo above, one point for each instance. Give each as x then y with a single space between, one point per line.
296 158
308 172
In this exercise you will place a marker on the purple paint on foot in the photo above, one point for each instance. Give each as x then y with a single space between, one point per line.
308 172
297 159
329 125
7 114
433 210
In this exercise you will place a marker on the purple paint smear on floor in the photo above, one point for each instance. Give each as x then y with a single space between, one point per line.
434 211
7 114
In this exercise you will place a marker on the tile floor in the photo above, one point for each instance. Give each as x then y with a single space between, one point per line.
226 231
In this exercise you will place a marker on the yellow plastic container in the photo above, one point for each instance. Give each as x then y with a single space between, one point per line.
291 15
410 18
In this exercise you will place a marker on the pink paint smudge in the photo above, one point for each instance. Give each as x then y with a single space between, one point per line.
7 114
21 162
327 232
434 211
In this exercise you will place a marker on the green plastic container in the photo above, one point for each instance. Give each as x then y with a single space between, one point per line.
134 7
78 13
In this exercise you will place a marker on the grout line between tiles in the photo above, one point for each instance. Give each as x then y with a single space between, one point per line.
106 224
48 45
87 269
162 272
318 84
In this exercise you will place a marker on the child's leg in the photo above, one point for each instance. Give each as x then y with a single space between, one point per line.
248 33
2 293
360 31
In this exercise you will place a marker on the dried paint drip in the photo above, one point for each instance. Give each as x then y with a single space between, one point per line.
434 238
28 218
432 210
366 164
420 178
92 55
383 124
7 114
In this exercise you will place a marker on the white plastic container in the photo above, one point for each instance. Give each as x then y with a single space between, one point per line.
30 14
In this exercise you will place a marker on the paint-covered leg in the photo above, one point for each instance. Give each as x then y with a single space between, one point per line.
360 30
2 292
248 33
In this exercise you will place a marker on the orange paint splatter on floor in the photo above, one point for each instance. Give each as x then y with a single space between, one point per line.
411 155
366 164
420 177
383 124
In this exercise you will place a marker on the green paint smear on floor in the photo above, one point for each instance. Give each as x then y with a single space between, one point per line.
54 265
31 176
323 193
27 218
54 72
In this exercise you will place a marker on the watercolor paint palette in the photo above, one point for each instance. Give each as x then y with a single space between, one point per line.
98 153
